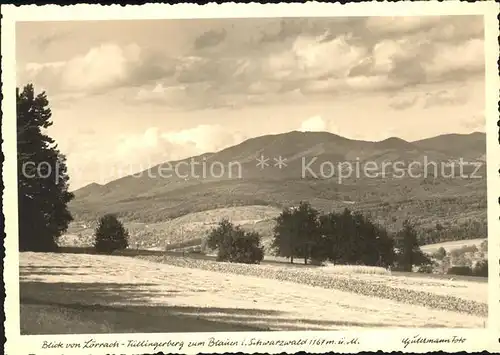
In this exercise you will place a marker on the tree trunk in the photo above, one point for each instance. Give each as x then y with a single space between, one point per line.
291 259
308 252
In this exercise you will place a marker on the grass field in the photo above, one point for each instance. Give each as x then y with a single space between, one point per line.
449 246
70 293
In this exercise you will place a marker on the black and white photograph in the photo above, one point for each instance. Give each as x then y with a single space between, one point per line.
252 174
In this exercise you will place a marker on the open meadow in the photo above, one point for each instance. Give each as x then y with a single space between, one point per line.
80 293
452 245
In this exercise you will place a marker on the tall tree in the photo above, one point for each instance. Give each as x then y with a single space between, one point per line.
331 243
385 247
297 232
351 238
409 253
42 176
347 231
284 238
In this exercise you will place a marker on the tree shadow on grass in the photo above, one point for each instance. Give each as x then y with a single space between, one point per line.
103 307
29 270
76 308
56 267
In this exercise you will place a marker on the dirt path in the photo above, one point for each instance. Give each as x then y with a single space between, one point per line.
99 294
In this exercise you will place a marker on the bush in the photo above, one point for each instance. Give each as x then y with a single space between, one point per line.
456 253
233 244
425 269
110 235
460 270
481 268
440 254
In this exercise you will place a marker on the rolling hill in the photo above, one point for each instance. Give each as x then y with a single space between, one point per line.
181 232
471 146
459 204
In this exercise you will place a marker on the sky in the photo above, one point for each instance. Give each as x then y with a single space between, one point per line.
126 95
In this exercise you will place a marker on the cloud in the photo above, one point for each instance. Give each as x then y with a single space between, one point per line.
110 158
44 40
407 57
454 59
446 97
316 65
194 69
204 138
350 84
147 147
161 94
275 32
476 123
43 75
413 61
319 124
133 153
264 60
280 31
264 87
404 103
313 124
427 98
398 60
319 64
209 39
154 146
456 28
387 54
185 96
313 57
102 68
383 25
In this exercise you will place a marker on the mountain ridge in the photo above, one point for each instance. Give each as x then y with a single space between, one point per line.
151 198
249 149
388 143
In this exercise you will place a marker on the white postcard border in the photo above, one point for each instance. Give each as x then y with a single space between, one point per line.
370 339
